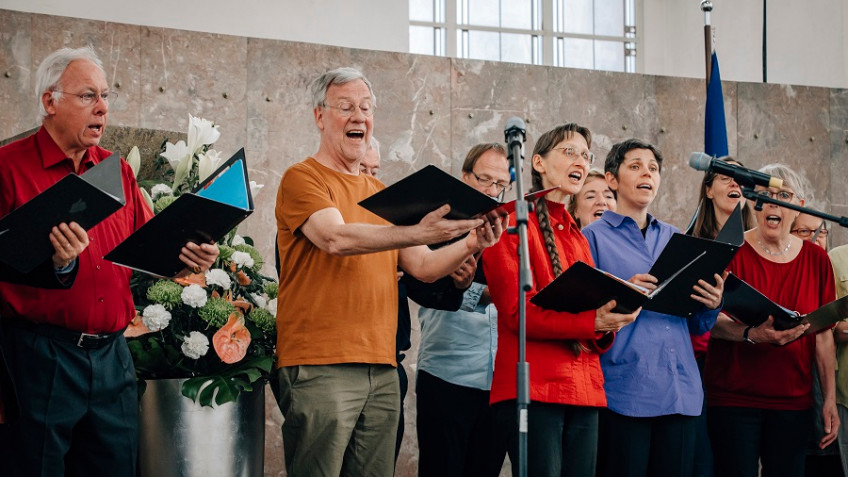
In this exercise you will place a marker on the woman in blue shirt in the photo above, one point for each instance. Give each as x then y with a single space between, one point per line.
651 379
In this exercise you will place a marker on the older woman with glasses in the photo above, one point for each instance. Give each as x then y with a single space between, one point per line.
760 395
566 381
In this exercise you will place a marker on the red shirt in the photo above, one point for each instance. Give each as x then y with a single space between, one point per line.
763 375
100 300
556 375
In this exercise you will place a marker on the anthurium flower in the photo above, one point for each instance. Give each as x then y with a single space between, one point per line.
201 132
231 341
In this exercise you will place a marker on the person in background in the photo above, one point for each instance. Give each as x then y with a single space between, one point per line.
720 195
457 353
566 381
761 395
337 321
77 412
593 199
839 260
810 227
653 388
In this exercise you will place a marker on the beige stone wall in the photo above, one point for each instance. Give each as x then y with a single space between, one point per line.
430 111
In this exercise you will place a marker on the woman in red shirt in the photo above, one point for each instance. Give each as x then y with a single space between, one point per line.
760 395
566 381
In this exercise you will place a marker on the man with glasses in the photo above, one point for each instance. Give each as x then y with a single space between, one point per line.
73 374
459 339
337 300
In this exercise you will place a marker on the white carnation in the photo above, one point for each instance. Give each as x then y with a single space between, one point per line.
160 190
261 300
195 345
218 277
155 317
238 240
242 259
272 306
194 296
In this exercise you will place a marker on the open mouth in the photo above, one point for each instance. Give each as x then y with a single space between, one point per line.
773 219
598 213
355 134
644 187
576 176
96 127
734 194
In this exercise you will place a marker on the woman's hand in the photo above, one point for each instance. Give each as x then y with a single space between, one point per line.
710 295
607 320
644 280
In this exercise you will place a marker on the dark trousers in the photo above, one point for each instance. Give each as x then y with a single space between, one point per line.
403 381
703 462
646 446
78 407
562 440
742 437
455 426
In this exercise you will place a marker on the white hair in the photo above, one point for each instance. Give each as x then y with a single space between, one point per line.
375 145
338 76
50 71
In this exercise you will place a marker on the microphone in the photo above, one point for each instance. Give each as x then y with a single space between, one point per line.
514 132
743 176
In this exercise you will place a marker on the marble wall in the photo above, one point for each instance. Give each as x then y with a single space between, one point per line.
430 111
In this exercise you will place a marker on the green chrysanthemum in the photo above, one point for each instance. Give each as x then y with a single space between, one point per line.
163 202
216 311
225 252
166 293
263 319
258 261
270 289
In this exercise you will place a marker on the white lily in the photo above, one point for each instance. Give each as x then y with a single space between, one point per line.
175 153
255 188
201 132
208 163
134 160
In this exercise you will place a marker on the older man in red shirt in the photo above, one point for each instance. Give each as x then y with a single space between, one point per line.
73 373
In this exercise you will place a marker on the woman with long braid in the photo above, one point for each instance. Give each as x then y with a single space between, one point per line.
566 382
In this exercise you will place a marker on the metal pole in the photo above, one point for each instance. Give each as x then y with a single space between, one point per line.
765 56
707 7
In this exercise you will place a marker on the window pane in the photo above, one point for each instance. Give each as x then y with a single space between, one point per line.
609 18
421 40
577 53
516 48
517 14
609 55
575 16
483 12
420 10
483 45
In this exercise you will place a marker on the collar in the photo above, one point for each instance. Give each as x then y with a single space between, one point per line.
617 220
558 211
52 154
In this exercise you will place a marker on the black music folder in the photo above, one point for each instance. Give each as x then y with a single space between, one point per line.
747 305
86 199
407 201
681 249
206 214
583 287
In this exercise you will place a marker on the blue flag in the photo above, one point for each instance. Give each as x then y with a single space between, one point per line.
715 127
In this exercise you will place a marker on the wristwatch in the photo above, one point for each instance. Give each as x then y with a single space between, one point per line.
745 335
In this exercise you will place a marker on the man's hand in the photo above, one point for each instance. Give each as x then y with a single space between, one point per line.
830 417
435 228
464 275
765 333
486 234
607 320
198 258
69 240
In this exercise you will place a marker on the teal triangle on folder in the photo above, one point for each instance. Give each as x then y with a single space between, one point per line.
230 187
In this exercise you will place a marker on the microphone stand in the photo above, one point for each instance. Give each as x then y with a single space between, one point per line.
746 183
515 136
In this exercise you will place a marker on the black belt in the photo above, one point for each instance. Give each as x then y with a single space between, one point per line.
77 338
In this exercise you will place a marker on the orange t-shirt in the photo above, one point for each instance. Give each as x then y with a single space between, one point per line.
331 309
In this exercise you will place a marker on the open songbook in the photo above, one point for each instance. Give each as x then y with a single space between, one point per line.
204 215
746 304
86 199
583 287
407 201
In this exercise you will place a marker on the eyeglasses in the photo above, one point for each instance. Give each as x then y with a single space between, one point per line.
572 154
87 99
783 195
347 109
723 178
807 233
486 182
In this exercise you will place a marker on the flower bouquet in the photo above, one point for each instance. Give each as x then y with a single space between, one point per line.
231 306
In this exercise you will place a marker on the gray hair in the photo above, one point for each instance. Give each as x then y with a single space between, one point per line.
338 76
51 69
375 145
795 181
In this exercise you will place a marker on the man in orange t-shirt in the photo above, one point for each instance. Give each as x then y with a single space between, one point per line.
337 303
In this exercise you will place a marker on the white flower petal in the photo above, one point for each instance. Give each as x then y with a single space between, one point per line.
134 160
195 345
194 296
255 188
201 132
155 317
175 153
